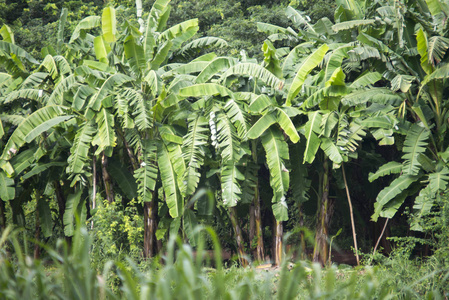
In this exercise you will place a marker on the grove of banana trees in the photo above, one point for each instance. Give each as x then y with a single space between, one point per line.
145 112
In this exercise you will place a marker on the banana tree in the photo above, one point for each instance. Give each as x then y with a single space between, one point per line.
420 82
331 84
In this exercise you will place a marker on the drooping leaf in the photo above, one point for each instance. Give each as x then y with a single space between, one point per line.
366 79
41 167
146 175
387 194
7 187
331 150
106 88
438 180
7 34
193 153
72 203
38 122
402 82
169 179
262 125
123 178
414 144
391 167
205 89
106 132
85 24
304 69
255 71
214 68
239 117
230 186
287 125
276 150
352 24
313 142
45 218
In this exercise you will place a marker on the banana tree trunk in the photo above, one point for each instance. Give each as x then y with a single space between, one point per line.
320 252
2 215
61 200
238 237
107 179
301 233
277 245
252 230
94 187
37 228
150 225
260 255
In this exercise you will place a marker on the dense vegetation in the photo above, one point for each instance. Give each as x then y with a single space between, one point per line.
326 121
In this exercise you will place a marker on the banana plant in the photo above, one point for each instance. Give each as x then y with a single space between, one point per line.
328 81
416 68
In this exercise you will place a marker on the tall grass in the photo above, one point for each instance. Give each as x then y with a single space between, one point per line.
180 274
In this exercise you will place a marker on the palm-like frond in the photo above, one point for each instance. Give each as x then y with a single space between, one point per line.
135 56
7 187
193 153
422 46
331 150
438 46
236 112
290 61
79 152
276 150
304 69
350 136
21 54
106 134
173 144
335 60
180 32
402 83
438 180
255 71
352 24
141 109
169 179
215 67
230 186
146 175
262 125
201 44
415 143
107 88
38 122
73 200
366 80
250 182
390 192
205 89
85 24
311 129
287 125
57 96
391 167
30 94
374 95
227 139
422 206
